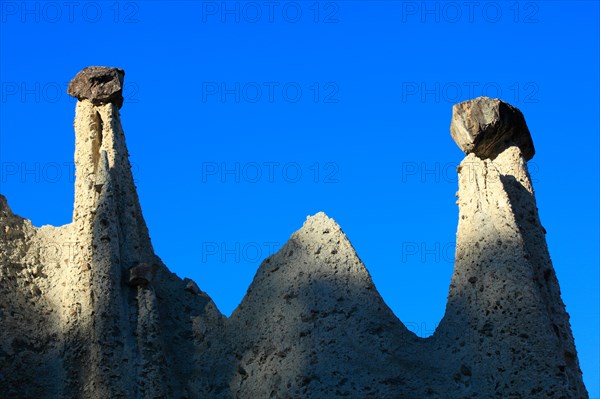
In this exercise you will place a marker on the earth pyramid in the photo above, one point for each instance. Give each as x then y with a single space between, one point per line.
88 310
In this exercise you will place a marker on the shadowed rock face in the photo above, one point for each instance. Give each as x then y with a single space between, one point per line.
88 310
486 127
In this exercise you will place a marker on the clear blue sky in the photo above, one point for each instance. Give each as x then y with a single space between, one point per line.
242 118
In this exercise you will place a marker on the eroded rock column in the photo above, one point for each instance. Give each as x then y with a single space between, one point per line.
506 331
113 236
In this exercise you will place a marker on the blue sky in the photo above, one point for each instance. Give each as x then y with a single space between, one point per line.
242 118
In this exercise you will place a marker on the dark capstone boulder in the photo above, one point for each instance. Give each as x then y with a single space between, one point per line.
141 274
487 126
100 85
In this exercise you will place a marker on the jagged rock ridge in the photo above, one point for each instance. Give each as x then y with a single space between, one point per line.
107 319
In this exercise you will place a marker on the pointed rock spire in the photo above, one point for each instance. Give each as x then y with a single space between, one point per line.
312 318
101 156
505 321
113 240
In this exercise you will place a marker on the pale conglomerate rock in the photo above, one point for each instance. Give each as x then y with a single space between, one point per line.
313 325
87 310
71 326
505 333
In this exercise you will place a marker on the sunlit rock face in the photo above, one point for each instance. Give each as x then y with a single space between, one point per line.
88 310
505 332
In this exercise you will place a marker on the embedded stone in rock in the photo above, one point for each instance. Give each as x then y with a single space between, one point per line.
103 170
191 286
98 84
487 126
141 274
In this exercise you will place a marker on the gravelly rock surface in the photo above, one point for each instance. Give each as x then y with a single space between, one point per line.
87 310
